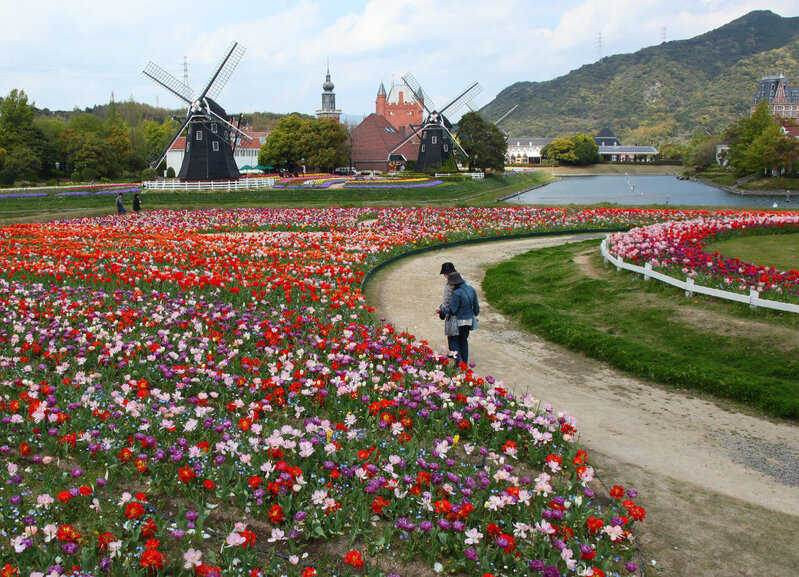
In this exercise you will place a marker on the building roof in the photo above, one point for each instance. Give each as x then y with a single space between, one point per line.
258 139
382 90
627 150
605 133
375 137
528 141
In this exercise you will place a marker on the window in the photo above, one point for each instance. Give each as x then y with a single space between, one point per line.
215 146
433 140
199 135
213 127
423 148
446 148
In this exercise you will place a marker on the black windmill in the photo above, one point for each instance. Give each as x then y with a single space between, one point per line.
436 138
210 136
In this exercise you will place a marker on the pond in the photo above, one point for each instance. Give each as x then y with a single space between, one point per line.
643 190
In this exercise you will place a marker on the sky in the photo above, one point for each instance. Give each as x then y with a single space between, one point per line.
68 55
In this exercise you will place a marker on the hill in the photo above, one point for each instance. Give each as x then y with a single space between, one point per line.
666 91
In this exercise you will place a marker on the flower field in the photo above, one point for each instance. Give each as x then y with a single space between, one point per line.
676 248
178 400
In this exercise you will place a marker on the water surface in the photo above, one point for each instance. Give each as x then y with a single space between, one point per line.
643 190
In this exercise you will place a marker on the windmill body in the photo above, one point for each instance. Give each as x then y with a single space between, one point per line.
210 136
437 140
208 154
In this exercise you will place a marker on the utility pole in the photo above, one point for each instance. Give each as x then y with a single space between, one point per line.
598 45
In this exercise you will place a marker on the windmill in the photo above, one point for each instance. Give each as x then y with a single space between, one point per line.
210 136
437 140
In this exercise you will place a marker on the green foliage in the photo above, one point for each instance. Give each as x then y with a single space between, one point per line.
23 162
585 149
410 164
758 144
702 152
148 174
7 178
672 88
75 176
321 142
170 172
561 150
482 141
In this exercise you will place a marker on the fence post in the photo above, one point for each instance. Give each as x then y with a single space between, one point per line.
619 263
688 292
648 267
753 297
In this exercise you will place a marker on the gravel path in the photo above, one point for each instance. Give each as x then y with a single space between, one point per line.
693 461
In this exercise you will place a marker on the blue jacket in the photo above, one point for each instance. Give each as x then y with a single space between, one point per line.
464 303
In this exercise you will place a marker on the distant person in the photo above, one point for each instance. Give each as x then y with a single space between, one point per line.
450 321
465 306
120 206
136 202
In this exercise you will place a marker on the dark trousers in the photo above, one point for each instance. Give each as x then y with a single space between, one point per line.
460 344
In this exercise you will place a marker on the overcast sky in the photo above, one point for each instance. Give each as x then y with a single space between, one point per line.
74 54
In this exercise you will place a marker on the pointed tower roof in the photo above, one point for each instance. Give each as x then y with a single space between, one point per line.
328 85
382 90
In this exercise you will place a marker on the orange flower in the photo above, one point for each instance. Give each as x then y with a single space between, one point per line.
134 510
355 559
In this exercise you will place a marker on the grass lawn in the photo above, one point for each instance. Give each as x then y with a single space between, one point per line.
472 191
780 251
650 330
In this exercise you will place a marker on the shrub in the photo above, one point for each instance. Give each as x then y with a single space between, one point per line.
7 177
105 180
170 172
148 174
75 176
51 182
87 173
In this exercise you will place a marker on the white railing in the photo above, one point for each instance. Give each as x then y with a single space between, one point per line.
472 174
752 299
241 184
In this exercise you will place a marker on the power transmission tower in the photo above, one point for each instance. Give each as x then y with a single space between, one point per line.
598 45
186 70
663 34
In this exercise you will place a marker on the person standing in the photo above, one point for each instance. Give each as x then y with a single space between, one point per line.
465 307
136 202
120 206
450 321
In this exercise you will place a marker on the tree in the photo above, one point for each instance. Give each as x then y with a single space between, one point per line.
323 144
283 148
482 141
16 120
90 151
702 152
560 149
585 149
744 132
23 162
771 150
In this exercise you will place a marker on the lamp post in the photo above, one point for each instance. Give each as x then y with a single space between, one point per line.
57 166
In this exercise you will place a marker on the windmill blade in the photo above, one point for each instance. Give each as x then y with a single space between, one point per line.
463 98
504 116
223 72
455 140
166 80
232 126
419 92
408 139
171 142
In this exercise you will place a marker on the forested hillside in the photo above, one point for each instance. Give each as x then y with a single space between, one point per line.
671 90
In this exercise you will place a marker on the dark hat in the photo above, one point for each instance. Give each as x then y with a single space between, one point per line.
454 278
447 268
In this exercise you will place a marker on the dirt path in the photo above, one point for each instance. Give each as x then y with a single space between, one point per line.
711 479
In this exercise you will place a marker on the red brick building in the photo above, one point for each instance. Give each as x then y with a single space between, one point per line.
374 139
400 106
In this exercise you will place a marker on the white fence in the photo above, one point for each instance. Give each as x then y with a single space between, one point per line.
474 175
241 184
752 299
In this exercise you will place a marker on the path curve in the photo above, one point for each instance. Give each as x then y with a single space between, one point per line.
671 435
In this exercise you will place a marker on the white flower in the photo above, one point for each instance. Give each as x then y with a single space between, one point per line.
192 558
234 540
277 535
473 536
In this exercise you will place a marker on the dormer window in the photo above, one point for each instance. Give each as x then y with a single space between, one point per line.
213 127
199 135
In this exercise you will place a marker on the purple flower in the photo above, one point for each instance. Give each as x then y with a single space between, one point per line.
470 554
631 567
69 548
76 472
551 571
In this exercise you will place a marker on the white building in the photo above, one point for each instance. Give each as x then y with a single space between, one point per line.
526 150
245 153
